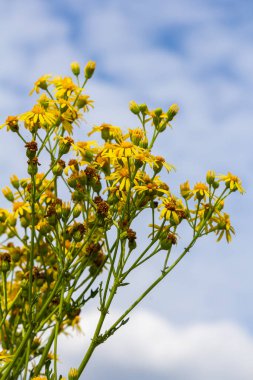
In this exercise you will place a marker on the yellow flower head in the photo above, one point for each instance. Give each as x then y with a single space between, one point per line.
20 208
12 123
65 87
38 115
232 182
122 150
108 131
172 209
185 190
136 135
224 227
159 162
200 191
41 84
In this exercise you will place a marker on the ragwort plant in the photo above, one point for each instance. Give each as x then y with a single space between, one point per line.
53 250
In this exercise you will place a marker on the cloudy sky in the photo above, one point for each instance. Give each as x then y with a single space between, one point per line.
199 54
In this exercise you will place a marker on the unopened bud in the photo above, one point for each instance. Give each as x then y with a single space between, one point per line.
158 112
14 181
75 67
210 177
73 374
185 190
89 69
77 210
5 262
173 110
134 108
64 145
143 108
8 194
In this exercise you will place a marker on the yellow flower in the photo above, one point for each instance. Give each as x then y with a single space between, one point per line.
122 177
185 190
121 150
84 102
12 123
20 208
200 191
4 356
38 115
152 187
85 149
68 118
159 162
64 87
172 209
224 227
108 131
232 182
41 83
136 135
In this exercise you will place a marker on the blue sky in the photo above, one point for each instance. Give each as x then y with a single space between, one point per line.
198 54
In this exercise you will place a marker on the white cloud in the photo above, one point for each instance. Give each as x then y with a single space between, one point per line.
220 350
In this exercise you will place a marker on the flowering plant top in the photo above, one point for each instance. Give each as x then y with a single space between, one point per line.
59 251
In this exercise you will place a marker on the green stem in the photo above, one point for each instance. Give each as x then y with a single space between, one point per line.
95 339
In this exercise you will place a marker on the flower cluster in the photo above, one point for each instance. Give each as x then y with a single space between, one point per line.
54 246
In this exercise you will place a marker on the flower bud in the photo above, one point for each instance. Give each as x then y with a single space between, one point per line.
78 232
161 126
15 255
8 194
105 134
75 67
3 215
96 185
89 69
134 108
5 262
173 110
77 196
77 210
73 374
132 245
136 135
23 183
82 178
72 181
33 166
215 184
143 108
143 143
12 221
24 222
158 112
220 205
15 181
58 168
210 177
65 210
185 190
168 241
64 145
